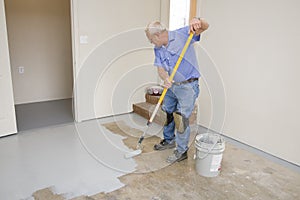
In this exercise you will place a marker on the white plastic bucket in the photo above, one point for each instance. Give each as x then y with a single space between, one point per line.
209 153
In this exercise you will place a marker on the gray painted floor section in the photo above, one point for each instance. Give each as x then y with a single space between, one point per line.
73 159
43 114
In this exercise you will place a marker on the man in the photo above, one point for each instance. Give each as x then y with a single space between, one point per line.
184 89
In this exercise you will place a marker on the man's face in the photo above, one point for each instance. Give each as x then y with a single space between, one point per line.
155 39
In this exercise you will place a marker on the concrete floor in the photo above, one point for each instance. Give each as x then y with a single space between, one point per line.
86 161
244 175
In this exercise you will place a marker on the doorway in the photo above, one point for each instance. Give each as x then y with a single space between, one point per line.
40 47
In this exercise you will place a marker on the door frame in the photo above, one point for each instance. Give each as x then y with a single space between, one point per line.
75 47
8 121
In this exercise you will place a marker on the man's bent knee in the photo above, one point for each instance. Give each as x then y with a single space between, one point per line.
181 122
170 118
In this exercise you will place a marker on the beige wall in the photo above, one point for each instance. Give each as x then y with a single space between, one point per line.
255 46
115 64
40 40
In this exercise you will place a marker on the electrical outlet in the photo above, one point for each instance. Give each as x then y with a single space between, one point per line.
21 69
84 39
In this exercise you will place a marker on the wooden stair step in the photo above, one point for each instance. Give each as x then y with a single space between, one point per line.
146 109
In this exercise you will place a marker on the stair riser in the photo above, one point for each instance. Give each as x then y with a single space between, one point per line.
151 99
145 110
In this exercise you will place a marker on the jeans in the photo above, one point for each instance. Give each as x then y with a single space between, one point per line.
180 98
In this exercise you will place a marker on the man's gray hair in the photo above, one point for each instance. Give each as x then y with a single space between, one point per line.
155 27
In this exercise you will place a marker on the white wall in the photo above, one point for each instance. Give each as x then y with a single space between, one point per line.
39 33
255 46
115 64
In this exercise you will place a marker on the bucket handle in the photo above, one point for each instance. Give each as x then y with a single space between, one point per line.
209 151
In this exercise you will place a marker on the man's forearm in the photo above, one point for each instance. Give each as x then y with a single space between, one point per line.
164 76
162 73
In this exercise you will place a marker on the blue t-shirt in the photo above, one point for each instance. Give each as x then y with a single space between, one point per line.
167 56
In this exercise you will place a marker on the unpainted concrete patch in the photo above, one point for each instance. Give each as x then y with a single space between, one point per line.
131 135
46 194
149 160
